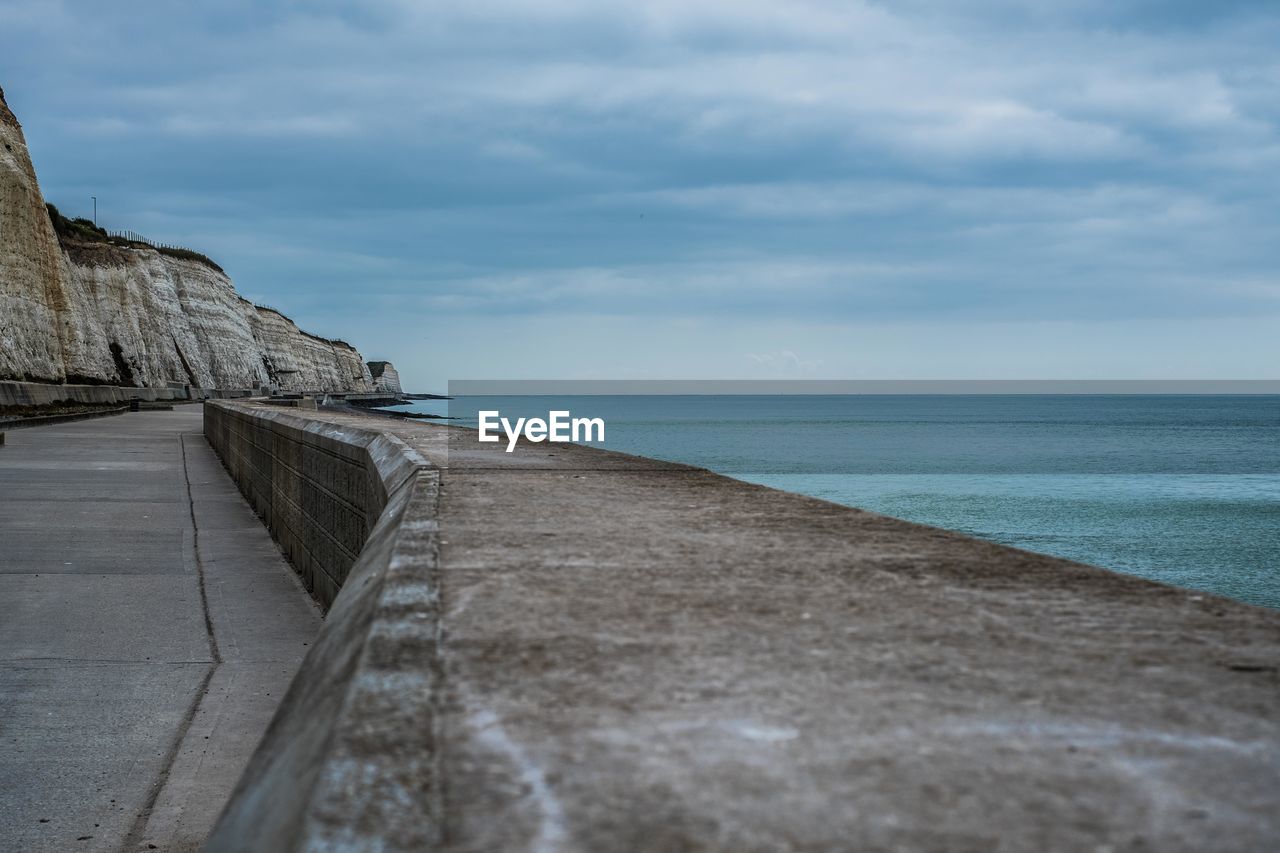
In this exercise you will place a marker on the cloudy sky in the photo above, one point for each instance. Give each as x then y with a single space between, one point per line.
694 188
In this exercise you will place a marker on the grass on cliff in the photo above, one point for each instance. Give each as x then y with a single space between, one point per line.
80 231
76 229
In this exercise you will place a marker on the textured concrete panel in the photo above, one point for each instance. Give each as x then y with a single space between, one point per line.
160 611
83 747
319 496
50 550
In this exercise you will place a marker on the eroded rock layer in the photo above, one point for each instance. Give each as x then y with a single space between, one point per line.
385 377
130 315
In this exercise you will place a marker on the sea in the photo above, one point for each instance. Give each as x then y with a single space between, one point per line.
1179 489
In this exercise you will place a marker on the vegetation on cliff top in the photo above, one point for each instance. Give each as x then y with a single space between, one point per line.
337 342
77 235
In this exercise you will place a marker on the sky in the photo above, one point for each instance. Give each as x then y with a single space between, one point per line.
725 189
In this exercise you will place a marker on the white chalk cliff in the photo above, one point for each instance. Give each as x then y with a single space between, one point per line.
385 377
127 314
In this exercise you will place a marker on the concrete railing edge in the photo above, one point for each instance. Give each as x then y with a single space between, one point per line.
348 759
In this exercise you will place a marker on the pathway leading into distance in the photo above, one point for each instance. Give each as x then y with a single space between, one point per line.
148 628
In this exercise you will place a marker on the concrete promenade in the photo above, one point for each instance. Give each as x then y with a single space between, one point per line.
563 649
148 627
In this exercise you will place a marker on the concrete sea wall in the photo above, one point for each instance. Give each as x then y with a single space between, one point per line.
348 758
320 489
563 648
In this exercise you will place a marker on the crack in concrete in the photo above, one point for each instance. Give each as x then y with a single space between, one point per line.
134 838
214 651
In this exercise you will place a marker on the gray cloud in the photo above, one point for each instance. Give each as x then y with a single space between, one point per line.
723 163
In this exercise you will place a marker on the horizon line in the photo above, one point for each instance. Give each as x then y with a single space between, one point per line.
857 387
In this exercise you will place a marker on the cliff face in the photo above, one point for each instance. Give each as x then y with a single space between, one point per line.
31 294
97 312
385 377
300 360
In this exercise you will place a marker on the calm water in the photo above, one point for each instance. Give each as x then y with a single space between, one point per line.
1184 490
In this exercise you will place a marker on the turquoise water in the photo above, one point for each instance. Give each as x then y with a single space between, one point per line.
1184 490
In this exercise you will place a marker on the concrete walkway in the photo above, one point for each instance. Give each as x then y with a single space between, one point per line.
148 627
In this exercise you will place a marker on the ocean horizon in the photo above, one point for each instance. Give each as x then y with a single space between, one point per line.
1184 490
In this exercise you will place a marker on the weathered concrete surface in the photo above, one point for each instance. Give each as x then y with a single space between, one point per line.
565 649
123 717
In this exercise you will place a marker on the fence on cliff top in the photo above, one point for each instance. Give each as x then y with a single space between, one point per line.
135 237
167 248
